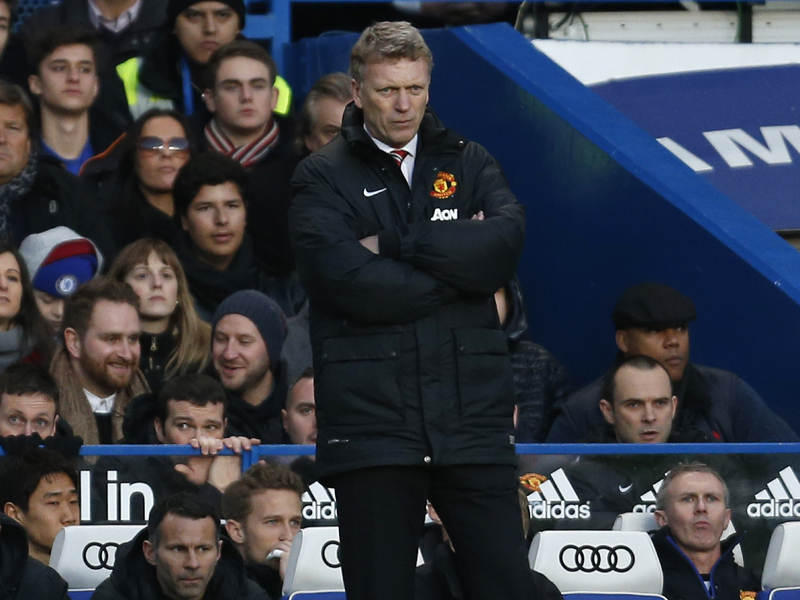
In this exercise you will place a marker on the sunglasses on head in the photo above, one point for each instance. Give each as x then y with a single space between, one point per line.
154 144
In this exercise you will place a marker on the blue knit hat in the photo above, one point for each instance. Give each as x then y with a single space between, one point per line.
265 314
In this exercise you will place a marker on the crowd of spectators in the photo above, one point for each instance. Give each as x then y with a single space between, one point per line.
148 296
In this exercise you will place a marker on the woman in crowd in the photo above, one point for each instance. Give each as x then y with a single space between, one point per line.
134 180
24 334
174 339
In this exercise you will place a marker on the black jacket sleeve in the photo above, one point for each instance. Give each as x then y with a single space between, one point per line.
338 271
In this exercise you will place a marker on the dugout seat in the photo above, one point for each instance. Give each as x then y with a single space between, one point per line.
84 554
314 565
781 576
601 565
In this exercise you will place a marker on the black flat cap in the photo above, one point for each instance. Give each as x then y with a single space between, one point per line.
654 306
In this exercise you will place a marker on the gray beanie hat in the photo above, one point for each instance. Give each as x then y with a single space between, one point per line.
265 314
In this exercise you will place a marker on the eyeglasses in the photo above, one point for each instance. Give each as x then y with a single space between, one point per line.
153 145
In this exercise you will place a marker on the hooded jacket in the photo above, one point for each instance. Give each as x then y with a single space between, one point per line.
23 577
411 366
133 578
718 403
682 581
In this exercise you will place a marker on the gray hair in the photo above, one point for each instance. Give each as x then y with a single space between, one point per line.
390 40
683 469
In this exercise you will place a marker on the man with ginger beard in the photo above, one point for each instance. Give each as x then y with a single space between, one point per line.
692 509
97 370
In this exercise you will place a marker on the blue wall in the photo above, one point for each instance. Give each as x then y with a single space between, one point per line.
607 207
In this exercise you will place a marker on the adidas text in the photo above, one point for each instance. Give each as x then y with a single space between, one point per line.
644 508
445 214
774 509
559 510
320 510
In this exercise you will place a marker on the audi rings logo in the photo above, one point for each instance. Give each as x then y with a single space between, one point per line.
330 554
98 556
600 559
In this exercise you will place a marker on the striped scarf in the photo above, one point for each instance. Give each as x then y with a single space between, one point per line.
249 154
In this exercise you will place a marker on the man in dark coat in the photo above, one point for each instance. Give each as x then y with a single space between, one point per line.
23 577
692 510
402 233
653 319
205 565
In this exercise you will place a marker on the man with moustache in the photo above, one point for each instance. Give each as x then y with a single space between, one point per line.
693 509
653 319
97 369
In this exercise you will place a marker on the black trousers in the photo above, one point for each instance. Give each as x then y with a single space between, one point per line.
381 516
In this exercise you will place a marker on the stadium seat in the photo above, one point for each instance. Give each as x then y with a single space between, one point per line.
317 596
314 563
781 576
598 564
84 554
646 521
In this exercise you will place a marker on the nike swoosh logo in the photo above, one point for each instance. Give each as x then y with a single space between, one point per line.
368 194
625 490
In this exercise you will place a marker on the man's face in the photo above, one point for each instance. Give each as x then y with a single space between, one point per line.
275 517
243 97
670 347
15 143
239 353
67 81
185 556
185 422
108 353
393 95
28 414
215 221
695 511
326 122
5 24
205 26
643 406
51 507
300 415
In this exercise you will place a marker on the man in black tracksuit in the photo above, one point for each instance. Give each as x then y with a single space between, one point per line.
692 510
402 232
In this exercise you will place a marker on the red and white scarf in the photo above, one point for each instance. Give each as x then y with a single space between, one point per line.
249 154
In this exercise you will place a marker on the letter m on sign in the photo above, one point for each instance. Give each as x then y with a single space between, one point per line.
732 143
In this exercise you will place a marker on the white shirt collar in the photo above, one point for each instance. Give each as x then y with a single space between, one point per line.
101 406
410 147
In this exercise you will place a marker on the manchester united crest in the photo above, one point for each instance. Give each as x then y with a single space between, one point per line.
444 186
532 481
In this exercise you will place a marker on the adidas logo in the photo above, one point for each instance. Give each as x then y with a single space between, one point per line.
781 497
648 499
556 499
319 502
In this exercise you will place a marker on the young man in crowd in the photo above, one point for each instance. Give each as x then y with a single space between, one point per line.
28 401
263 513
58 261
241 97
693 509
188 410
66 85
36 193
193 29
39 490
216 251
653 319
248 330
179 555
97 370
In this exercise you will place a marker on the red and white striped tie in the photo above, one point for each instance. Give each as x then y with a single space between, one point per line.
399 156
